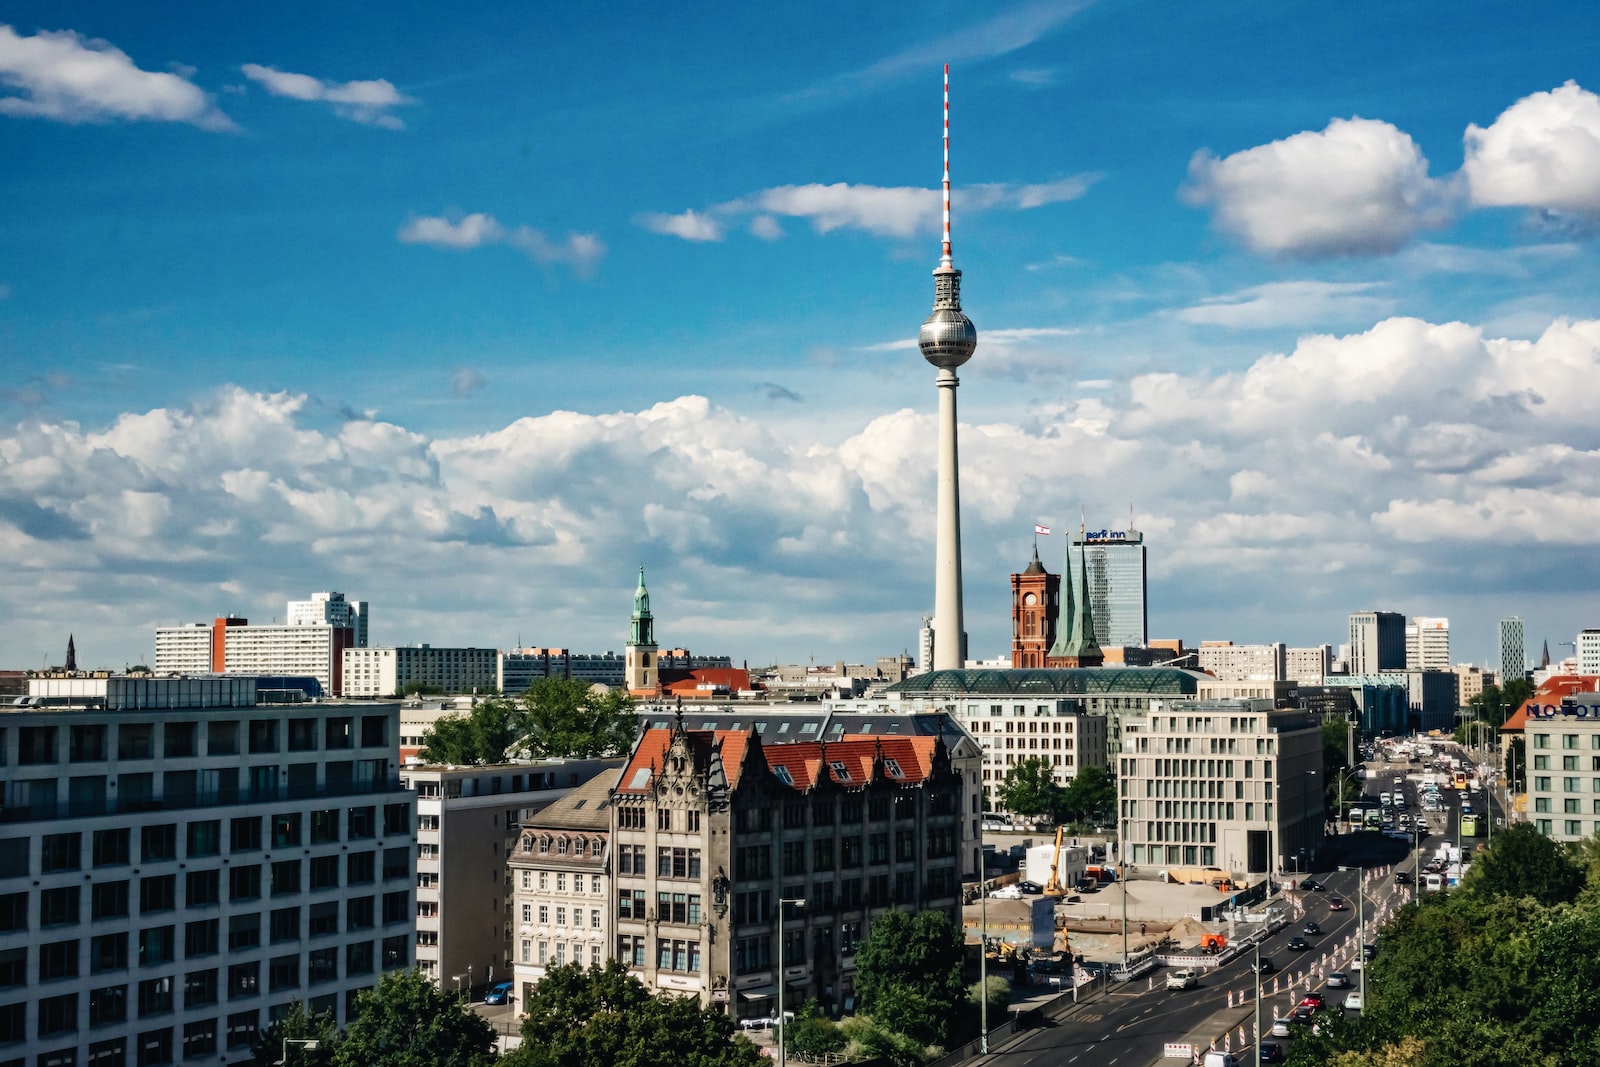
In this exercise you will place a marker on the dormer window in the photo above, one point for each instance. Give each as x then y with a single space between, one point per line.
783 775
561 846
840 771
892 767
544 845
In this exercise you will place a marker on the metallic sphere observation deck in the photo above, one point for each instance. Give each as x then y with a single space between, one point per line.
947 337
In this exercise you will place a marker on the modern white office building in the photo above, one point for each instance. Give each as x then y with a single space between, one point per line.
183 649
1427 644
468 821
1234 784
1588 652
1114 565
178 863
388 672
1308 666
332 609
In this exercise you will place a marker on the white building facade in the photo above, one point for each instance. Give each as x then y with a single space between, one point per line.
1242 663
331 609
387 672
1427 644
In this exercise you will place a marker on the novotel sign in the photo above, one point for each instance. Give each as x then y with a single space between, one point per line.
1574 711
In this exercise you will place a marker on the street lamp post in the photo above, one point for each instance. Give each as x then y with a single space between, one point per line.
1361 929
303 1042
983 964
799 902
1258 991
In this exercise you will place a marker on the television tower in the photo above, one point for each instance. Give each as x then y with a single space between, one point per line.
947 340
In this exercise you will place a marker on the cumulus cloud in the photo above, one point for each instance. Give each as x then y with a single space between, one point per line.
370 102
1542 152
885 211
580 251
1376 465
1357 188
67 77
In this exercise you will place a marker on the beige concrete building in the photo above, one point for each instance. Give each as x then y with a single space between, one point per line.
1242 663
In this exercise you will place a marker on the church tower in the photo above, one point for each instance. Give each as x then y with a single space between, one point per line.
1075 645
642 665
1033 613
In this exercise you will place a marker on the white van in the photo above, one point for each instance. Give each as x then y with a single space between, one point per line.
1385 799
1220 1059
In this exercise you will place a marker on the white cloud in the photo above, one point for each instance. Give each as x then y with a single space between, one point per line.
64 76
369 102
1290 303
1358 187
690 225
885 211
1542 152
580 251
467 232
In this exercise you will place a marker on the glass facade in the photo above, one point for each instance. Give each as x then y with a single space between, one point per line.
1116 572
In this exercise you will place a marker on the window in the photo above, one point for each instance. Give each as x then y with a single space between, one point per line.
58 959
58 1015
286 877
360 869
325 826
664 819
324 872
397 819
359 913
244 979
13 968
13 912
244 883
61 852
199 1039
358 958
108 1005
286 830
87 744
156 945
263 736
244 931
36 745
108 900
284 924
242 1028
58 907
302 735
108 952
111 847
200 938
155 1047
324 918
158 893
178 740
324 964
155 997
362 823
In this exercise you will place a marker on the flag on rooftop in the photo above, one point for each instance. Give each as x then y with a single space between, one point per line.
1041 531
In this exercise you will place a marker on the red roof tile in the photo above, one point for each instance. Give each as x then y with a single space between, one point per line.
857 759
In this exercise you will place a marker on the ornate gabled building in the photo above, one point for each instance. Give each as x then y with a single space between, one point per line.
712 830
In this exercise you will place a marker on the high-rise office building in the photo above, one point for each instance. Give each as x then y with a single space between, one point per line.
1114 565
332 609
1588 652
1377 642
1428 644
1513 650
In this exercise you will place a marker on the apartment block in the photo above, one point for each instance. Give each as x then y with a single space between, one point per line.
1308 666
386 672
1242 663
1563 745
178 863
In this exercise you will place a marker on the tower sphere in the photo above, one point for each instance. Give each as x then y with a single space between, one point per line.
947 337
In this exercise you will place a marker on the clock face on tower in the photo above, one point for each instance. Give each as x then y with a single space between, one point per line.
1030 599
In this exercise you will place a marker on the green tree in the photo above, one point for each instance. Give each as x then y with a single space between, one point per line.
407 1021
297 1025
812 1035
1031 791
1090 797
868 1040
908 974
568 718
1522 862
604 1015
481 736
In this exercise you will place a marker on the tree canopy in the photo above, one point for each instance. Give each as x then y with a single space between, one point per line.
1505 969
407 1021
1030 789
297 1025
1091 796
908 974
557 718
579 1016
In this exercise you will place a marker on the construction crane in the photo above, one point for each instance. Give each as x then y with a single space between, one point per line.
1055 887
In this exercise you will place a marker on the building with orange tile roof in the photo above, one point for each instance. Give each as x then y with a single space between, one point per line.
712 829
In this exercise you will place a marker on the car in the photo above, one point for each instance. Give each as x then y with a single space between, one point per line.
1312 885
1087 885
1338 980
1263 966
1404 878
1184 979
1298 944
1311 928
1305 1014
1271 1052
1353 1001
1030 887
1009 892
500 994
1280 1028
1337 904
1369 952
1312 1000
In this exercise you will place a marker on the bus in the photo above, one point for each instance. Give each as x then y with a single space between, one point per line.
1460 781
1375 820
1469 825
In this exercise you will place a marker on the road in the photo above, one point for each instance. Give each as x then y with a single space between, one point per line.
1128 1025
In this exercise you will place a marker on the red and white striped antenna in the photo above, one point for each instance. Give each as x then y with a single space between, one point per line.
944 258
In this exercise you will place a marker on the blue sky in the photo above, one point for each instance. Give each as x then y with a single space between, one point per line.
470 312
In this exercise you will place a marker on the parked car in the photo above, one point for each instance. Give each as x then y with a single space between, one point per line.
1030 887
1087 885
500 994
1338 980
1298 944
1353 1001
1184 979
1311 928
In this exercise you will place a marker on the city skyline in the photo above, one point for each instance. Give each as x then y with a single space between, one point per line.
474 317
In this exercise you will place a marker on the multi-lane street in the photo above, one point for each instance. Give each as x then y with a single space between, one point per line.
1130 1024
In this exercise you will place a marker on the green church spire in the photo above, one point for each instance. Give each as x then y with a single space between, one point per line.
642 631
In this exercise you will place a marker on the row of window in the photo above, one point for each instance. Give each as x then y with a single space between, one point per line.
544 911
93 742
159 843
1568 741
61 907
546 953
1569 805
1542 784
1568 763
560 878
1570 827
755 861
